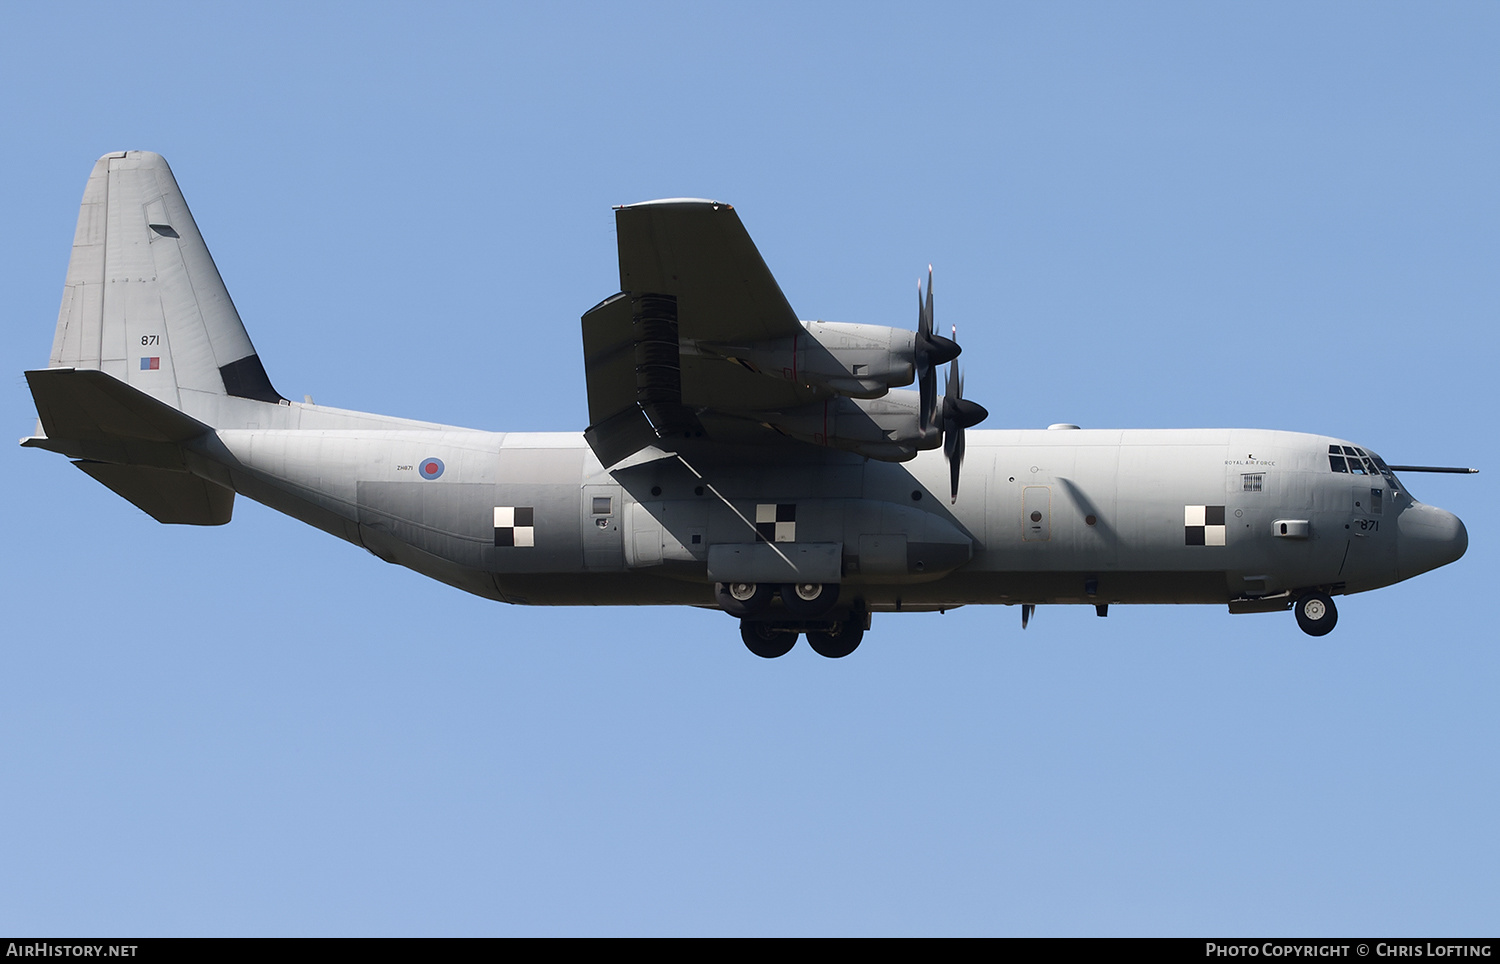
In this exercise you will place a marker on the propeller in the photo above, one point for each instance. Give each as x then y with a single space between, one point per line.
958 414
953 413
930 351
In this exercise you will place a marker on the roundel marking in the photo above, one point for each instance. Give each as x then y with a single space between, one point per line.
431 468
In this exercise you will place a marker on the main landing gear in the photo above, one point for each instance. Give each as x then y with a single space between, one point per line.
834 640
800 600
1316 614
766 640
806 607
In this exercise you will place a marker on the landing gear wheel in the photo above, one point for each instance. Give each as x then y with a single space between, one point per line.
1316 614
744 598
840 642
765 642
809 600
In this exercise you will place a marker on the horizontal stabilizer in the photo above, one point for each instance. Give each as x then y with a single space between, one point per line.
169 497
86 413
91 406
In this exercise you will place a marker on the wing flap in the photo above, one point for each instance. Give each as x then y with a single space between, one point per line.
633 366
609 359
620 436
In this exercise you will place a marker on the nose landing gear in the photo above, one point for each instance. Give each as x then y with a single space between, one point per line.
1316 614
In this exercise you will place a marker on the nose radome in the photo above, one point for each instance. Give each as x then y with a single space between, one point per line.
1428 537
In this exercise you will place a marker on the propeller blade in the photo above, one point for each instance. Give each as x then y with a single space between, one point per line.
955 461
927 390
926 367
958 414
958 410
930 350
953 391
927 314
924 314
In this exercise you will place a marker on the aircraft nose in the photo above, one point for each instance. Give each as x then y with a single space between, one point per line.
1428 537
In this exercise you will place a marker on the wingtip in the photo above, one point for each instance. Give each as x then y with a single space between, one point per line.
677 202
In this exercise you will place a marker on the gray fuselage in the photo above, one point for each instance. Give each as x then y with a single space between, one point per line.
1053 516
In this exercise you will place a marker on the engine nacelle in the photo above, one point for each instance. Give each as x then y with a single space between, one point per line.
859 361
886 428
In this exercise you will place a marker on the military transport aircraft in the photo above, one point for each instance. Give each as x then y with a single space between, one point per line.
736 458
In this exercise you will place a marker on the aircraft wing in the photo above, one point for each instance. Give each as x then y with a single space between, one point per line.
689 276
699 253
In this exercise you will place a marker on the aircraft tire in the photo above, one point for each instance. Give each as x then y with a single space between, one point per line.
744 598
763 641
838 644
1316 614
799 605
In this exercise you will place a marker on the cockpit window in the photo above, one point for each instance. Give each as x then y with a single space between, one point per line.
1357 461
1386 473
1347 458
1358 465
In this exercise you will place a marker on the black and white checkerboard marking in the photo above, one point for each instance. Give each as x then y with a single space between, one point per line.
514 526
776 522
1203 525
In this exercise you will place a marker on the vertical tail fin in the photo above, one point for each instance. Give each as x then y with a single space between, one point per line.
143 301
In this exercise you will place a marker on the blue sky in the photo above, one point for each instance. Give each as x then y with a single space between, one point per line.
1273 215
